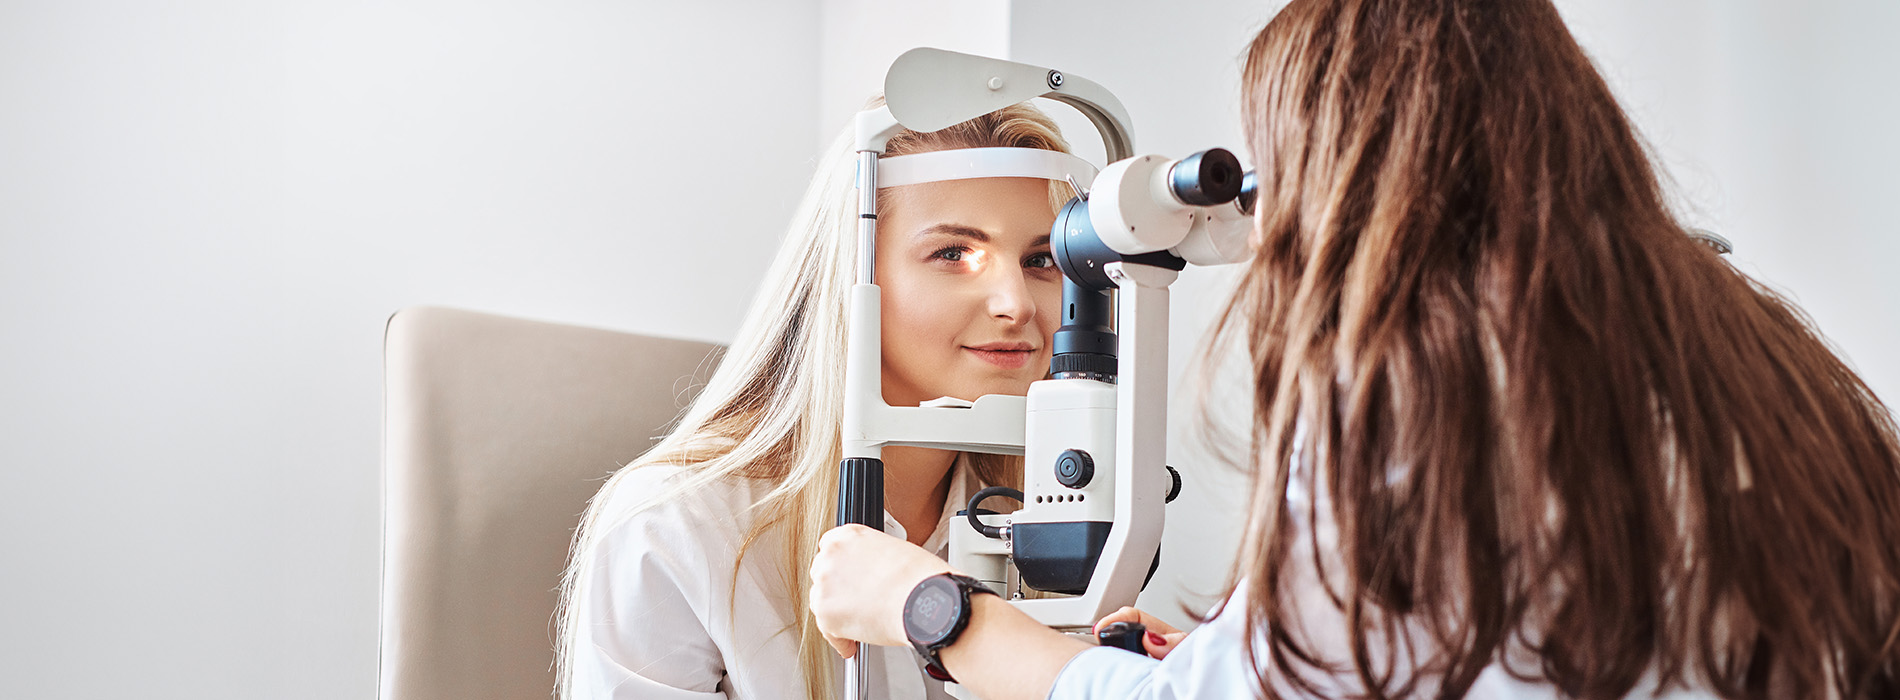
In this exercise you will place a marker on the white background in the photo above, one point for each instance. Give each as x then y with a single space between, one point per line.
208 209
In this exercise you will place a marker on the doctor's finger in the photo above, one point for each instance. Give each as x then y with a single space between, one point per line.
1126 614
1159 645
1130 614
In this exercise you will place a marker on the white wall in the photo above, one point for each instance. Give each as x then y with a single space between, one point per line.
208 209
1777 121
862 37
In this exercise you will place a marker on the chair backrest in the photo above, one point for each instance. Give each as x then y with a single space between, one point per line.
496 432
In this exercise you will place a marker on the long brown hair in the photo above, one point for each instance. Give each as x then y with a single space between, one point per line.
1554 430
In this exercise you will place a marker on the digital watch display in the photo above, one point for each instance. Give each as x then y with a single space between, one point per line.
936 613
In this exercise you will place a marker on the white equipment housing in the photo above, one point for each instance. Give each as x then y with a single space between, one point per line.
1123 425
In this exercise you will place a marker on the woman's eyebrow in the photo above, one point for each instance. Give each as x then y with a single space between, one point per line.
976 234
958 230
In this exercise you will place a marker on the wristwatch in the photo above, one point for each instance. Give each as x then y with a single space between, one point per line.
935 615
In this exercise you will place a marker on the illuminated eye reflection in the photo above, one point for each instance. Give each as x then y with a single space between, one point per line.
961 255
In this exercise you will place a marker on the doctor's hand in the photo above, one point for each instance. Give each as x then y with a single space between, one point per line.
860 580
1161 638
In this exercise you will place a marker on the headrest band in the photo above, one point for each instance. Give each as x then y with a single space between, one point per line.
972 163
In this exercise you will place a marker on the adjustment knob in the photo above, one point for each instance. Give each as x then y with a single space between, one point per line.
1074 468
1174 484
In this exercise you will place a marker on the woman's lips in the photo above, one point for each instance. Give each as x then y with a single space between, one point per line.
1006 359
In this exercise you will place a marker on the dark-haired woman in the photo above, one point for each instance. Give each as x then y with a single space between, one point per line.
1517 433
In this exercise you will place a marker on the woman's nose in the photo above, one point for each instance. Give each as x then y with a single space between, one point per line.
1009 297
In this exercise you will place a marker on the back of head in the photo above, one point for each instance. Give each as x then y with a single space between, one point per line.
1535 403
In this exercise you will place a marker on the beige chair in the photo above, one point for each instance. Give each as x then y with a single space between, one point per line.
496 432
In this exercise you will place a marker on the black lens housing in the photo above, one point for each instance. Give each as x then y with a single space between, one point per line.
1207 178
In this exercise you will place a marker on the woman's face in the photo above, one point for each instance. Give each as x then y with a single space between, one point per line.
970 292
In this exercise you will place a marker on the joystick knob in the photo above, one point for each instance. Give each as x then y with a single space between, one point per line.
1074 468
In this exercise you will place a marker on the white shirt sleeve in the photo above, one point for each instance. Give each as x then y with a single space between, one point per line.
1104 672
651 598
1210 663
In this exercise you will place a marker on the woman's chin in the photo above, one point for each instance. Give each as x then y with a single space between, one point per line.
1008 387
976 379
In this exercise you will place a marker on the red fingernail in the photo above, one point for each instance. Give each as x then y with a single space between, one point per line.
1156 640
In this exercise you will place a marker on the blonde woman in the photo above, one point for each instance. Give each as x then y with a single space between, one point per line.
688 573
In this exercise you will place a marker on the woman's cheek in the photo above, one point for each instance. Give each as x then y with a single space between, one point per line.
914 311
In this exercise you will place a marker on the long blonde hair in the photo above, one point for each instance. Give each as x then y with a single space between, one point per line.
774 408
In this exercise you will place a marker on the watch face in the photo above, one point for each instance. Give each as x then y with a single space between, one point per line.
932 610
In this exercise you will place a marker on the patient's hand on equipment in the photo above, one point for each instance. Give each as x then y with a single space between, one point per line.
859 582
1161 638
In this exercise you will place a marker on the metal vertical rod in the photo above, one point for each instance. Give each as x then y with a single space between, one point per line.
867 217
859 478
856 675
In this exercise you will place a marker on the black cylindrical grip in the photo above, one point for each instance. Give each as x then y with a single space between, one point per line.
861 492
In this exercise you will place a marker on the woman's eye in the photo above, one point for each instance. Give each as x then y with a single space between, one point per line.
1039 261
952 254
